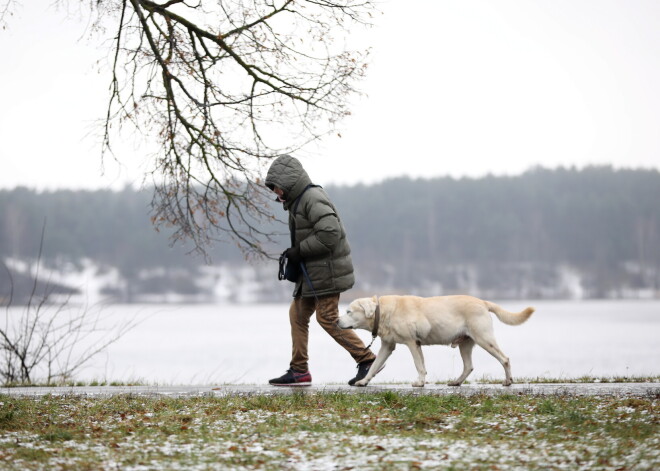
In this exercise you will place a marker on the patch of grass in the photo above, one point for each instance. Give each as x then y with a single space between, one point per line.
580 380
56 435
335 430
74 383
546 407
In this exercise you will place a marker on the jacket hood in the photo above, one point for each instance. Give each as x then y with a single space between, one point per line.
287 173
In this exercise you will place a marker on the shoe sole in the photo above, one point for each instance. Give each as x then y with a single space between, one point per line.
381 369
292 384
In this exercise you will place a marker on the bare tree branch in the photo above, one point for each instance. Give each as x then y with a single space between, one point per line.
226 86
6 10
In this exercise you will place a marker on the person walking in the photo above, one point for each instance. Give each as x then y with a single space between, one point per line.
319 241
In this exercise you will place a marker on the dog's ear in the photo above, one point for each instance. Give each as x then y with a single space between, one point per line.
362 302
368 306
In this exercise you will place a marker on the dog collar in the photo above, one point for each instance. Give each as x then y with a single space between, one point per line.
374 332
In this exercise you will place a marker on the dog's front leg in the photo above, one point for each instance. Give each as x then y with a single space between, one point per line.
384 353
418 357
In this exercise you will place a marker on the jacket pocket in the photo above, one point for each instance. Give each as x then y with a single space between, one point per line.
321 274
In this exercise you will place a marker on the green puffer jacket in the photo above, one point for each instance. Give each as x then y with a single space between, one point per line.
319 231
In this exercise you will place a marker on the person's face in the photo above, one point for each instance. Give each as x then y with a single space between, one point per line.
279 192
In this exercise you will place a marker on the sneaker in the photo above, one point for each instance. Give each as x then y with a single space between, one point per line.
363 369
293 378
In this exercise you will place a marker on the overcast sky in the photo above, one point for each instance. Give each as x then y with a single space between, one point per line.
455 87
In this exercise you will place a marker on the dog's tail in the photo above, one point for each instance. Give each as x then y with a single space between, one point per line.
509 318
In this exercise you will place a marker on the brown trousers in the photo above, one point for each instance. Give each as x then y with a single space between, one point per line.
327 314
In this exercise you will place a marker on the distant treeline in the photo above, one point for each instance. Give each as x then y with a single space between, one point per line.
111 227
602 222
505 235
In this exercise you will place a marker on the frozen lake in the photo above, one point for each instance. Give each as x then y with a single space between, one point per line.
215 344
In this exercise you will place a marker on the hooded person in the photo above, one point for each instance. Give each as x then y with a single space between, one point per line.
319 242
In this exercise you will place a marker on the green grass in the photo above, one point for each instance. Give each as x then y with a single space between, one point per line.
330 430
91 383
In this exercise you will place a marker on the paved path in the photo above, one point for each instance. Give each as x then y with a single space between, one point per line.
582 389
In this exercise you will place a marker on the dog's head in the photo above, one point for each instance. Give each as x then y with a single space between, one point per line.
359 315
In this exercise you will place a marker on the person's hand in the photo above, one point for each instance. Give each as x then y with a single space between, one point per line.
293 254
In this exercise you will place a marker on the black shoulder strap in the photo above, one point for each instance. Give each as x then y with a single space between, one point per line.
295 209
295 204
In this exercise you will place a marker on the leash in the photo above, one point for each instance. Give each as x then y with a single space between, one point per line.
282 262
374 331
308 280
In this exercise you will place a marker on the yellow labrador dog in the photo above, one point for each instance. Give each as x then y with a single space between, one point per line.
442 320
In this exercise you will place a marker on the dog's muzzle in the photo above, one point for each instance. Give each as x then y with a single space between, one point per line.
338 325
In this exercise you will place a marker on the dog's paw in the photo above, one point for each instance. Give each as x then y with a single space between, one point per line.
508 382
362 383
453 383
418 384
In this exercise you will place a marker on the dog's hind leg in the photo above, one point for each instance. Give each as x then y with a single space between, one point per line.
418 357
384 353
465 346
488 343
